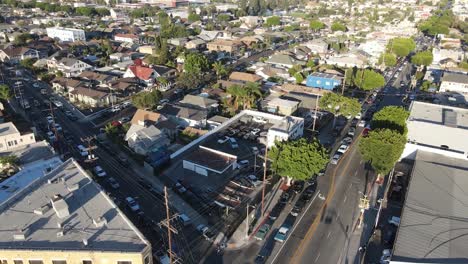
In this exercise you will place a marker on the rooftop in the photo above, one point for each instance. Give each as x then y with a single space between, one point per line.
32 152
455 77
433 223
326 75
8 129
213 160
439 114
69 198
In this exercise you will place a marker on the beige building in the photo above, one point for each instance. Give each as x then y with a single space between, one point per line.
11 138
224 45
64 217
148 49
91 97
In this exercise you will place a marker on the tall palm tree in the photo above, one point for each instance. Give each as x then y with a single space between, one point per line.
219 69
237 92
252 93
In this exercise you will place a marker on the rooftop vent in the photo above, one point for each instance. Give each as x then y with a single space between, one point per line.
73 187
100 222
85 241
42 210
60 233
60 206
19 235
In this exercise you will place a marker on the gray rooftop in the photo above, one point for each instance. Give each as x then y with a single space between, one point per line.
455 77
326 75
434 224
8 129
439 114
29 153
86 213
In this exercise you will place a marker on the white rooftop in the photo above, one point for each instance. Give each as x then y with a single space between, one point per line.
86 214
8 129
439 114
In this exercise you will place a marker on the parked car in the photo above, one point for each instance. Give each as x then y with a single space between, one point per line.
346 140
343 148
99 171
82 150
394 220
276 211
282 234
362 123
50 119
124 120
243 164
115 108
223 140
297 209
184 219
113 183
233 143
122 159
336 158
163 101
262 232
51 136
134 206
351 132
298 186
126 104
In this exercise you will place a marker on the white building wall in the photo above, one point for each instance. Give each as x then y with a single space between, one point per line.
66 34
13 141
454 87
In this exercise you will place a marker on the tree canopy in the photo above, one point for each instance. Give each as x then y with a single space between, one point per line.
439 23
401 47
423 58
388 59
273 21
382 148
193 17
339 104
145 100
316 25
338 26
196 63
298 159
368 79
391 117
245 95
5 92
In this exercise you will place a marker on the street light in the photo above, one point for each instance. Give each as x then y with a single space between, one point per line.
337 108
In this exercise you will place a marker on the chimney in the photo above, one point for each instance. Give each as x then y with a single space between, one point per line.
73 187
42 210
85 242
100 222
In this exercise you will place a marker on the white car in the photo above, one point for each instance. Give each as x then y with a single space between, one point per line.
362 123
99 171
351 132
83 151
134 206
163 101
57 103
335 159
343 148
222 140
126 104
115 108
394 221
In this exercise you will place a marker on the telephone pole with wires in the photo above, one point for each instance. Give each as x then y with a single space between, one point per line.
170 229
264 178
90 148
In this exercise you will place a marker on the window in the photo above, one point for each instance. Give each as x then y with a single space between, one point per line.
59 262
36 262
17 261
87 262
124 262
16 142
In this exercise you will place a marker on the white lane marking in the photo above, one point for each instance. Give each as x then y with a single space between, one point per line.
329 233
316 258
294 228
355 173
345 198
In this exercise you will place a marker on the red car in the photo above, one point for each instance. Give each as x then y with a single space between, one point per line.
365 132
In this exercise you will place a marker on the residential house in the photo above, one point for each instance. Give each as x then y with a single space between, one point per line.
11 138
323 80
249 41
63 85
201 102
146 139
243 77
224 45
185 116
196 44
178 42
70 67
348 60
129 38
91 97
455 82
210 35
281 106
66 34
267 72
14 55
439 55
143 73
251 21
302 53
283 60
164 71
124 86
147 49
95 78
120 57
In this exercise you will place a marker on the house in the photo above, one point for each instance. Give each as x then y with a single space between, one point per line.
224 45
146 139
143 73
11 138
66 34
243 77
201 102
63 85
302 53
147 49
120 57
208 36
144 117
164 71
96 78
251 21
195 44
14 55
249 41
348 60
128 38
124 86
267 72
91 97
439 55
323 80
70 67
284 60
281 106
216 121
454 82
185 115
177 41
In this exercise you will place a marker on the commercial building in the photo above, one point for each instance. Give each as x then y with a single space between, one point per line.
438 129
323 80
66 34
455 82
433 223
11 138
65 217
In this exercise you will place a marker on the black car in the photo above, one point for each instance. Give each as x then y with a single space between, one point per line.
276 211
285 197
298 186
297 209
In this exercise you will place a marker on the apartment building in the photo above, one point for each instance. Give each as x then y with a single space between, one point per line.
66 34
11 138
455 82
65 217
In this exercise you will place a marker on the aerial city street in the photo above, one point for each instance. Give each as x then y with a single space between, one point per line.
246 131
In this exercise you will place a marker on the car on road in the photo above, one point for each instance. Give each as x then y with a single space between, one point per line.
57 127
43 91
98 171
362 123
285 197
298 186
262 232
51 136
276 211
113 183
347 140
310 190
336 158
50 119
297 209
243 164
126 104
82 150
115 108
124 120
57 103
343 148
351 131
35 85
123 159
282 234
134 206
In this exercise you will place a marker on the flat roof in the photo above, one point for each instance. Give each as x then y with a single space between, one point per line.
455 77
32 152
433 227
83 204
210 159
326 75
8 129
439 114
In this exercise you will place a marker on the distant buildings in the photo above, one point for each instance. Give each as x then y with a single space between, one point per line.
224 45
63 216
455 82
14 55
66 34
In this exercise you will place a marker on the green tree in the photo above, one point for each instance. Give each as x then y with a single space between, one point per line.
388 59
187 80
196 63
22 39
237 94
223 18
111 130
85 11
338 26
252 93
391 117
273 21
145 100
5 92
11 160
425 86
28 63
298 159
316 25
294 69
382 148
401 46
422 58
299 77
339 104
463 65
102 11
368 80
220 69
193 17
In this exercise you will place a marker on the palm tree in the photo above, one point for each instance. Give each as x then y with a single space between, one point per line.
5 92
219 69
238 93
252 93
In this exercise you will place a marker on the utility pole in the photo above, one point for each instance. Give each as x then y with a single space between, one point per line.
247 222
316 109
89 141
344 82
264 178
170 229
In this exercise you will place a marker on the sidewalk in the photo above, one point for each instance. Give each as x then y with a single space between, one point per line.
240 238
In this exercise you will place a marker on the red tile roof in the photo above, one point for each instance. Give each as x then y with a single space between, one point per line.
141 72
